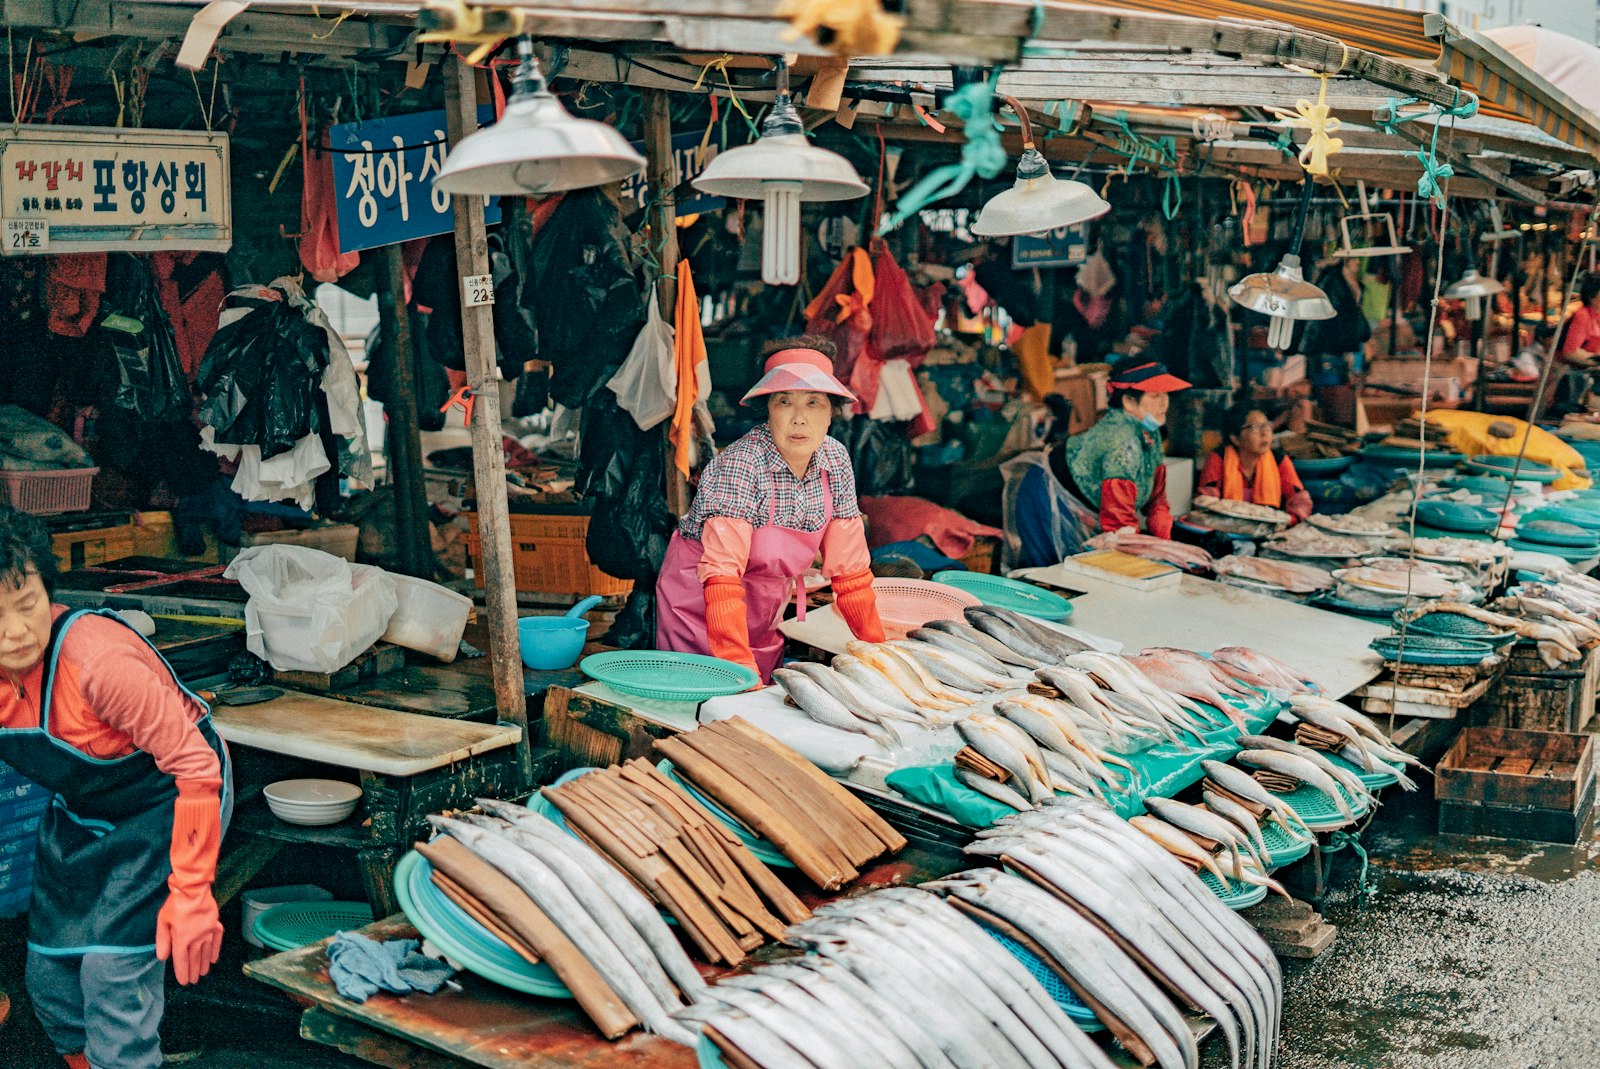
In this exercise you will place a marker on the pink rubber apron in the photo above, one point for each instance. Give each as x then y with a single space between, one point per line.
778 557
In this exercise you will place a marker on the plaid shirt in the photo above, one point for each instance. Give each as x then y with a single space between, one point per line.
751 481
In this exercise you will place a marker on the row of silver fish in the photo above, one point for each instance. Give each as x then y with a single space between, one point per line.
606 916
897 978
1154 933
1365 743
1046 747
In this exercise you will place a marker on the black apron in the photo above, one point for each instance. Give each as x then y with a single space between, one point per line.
104 853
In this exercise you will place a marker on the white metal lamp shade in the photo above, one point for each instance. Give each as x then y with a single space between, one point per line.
1038 202
537 147
1285 296
781 169
1473 288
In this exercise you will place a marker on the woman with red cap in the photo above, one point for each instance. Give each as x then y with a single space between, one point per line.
766 507
1109 477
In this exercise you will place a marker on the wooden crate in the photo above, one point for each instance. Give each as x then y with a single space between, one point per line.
1517 784
1533 697
84 549
548 556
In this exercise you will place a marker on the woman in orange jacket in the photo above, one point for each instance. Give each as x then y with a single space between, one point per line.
766 507
127 850
1246 469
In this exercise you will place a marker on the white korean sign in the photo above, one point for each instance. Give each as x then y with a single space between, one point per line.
96 189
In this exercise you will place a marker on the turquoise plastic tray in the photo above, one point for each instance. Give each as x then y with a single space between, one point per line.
1530 471
672 677
1430 649
1553 532
1005 593
1063 995
1456 516
1237 894
1573 556
293 925
462 939
1454 625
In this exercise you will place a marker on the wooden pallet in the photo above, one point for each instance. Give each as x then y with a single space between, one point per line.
1517 784
1386 698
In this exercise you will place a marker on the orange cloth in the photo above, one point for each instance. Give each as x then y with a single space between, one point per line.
689 355
852 306
319 222
1033 357
1266 488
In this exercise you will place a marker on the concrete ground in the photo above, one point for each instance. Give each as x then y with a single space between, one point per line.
1469 954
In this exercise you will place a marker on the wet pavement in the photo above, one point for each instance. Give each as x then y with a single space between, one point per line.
1470 953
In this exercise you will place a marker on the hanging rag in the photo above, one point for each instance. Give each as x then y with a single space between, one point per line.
360 967
73 285
1095 277
841 311
900 328
319 220
693 373
1034 359
191 289
899 398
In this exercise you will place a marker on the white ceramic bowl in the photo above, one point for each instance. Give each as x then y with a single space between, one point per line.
312 801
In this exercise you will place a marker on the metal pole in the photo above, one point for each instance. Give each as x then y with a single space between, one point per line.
488 455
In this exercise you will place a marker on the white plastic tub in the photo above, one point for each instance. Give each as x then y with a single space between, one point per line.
429 618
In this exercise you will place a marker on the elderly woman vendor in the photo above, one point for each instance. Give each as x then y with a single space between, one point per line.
766 507
1246 468
1109 477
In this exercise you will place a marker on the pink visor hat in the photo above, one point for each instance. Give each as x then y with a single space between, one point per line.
798 369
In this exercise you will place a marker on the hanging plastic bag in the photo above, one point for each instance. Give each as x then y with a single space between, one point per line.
900 325
262 377
646 384
310 611
150 381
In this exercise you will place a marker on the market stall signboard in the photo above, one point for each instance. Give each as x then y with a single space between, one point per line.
691 151
66 189
1064 246
383 172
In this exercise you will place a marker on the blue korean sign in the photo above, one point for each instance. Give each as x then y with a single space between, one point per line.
689 159
383 172
1064 246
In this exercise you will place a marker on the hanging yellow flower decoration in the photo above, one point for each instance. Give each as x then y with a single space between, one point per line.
1315 118
844 27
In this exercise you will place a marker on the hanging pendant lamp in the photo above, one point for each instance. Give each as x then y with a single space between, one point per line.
1038 201
782 169
1284 295
537 147
1473 288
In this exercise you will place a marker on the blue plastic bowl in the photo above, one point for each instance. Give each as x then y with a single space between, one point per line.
551 643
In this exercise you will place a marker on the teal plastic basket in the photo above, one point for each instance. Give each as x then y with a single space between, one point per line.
1374 780
1237 894
1283 848
1005 593
670 677
293 925
1318 810
462 939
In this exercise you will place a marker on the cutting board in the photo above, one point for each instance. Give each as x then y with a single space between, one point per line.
357 736
1124 569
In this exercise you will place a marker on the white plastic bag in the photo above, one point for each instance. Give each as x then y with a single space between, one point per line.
646 384
310 611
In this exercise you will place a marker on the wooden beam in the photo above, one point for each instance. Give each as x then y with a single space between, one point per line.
660 176
403 438
488 454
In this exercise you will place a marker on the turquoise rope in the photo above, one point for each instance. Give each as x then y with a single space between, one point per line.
1434 173
981 156
1341 840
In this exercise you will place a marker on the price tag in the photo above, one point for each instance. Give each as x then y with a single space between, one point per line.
25 236
477 290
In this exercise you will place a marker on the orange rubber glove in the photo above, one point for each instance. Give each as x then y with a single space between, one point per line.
727 627
854 600
187 929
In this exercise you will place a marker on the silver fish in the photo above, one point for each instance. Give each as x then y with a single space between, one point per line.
1058 642
640 911
970 650
1002 749
1238 782
993 789
830 976
1298 767
998 650
821 706
557 902
1345 777
804 1032
872 682
1239 817
1405 782
1003 631
955 670
857 699
863 1024
1197 821
753 1038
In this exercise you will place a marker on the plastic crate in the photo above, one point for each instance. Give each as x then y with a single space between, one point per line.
46 492
19 837
15 797
548 556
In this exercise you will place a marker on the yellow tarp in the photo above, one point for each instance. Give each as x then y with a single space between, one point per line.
1469 433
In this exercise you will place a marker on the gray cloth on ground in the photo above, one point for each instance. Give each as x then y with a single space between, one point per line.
360 967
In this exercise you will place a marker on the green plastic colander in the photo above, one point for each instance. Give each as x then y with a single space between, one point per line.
1005 593
293 925
1237 894
669 677
1282 848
